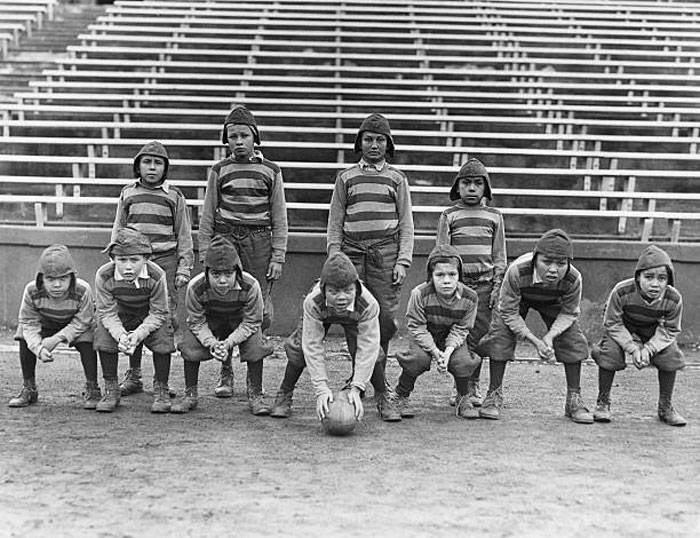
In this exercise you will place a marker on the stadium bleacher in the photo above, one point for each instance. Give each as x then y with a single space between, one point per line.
585 112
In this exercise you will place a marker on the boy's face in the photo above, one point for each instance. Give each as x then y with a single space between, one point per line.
130 267
222 280
373 147
471 189
340 299
151 169
653 281
445 278
550 270
57 286
240 141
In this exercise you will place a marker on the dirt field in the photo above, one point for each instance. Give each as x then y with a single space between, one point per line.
220 471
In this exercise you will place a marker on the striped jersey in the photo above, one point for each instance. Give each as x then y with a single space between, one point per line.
478 234
145 298
247 193
67 317
160 214
242 307
430 317
369 205
523 289
657 322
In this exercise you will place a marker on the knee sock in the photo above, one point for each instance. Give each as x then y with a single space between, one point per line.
109 362
135 357
462 384
27 361
292 373
476 374
378 378
573 375
255 376
88 357
605 381
405 385
497 371
161 366
667 380
191 373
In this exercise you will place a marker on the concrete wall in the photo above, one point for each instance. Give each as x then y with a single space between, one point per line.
602 263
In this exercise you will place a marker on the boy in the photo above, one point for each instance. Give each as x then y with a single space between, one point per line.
338 297
478 233
132 310
371 221
440 313
57 306
545 281
224 306
159 211
642 321
244 201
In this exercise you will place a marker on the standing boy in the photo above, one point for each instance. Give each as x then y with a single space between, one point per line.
477 232
224 311
339 297
545 281
642 321
159 211
244 201
371 221
440 314
131 300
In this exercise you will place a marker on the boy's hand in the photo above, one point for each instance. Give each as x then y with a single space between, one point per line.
544 350
355 399
274 271
493 300
441 362
219 350
124 343
398 275
181 281
51 342
45 355
322 402
640 357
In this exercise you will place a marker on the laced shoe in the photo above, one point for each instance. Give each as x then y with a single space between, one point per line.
492 404
110 398
27 396
403 404
453 397
386 405
465 408
474 392
188 402
132 383
161 403
576 410
669 415
91 396
225 387
602 409
282 408
257 404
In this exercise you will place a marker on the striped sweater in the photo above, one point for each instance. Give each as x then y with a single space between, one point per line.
242 305
315 321
627 313
145 298
369 205
521 286
68 317
160 214
478 234
428 316
248 194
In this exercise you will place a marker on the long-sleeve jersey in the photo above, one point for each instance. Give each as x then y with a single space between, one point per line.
478 234
241 306
146 298
521 285
369 205
429 316
315 321
627 313
160 214
249 194
69 316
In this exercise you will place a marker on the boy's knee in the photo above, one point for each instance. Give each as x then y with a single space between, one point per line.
608 355
670 359
463 362
414 362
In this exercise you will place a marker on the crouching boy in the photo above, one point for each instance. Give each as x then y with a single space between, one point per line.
132 311
642 320
339 297
545 281
439 316
224 311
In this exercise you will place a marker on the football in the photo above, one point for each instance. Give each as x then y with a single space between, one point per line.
340 419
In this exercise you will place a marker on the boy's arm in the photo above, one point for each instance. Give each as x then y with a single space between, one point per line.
509 303
405 211
119 217
367 347
312 334
498 253
252 317
82 320
30 321
417 324
336 217
667 331
278 219
570 310
183 232
443 230
614 326
106 309
197 318
460 330
158 312
206 220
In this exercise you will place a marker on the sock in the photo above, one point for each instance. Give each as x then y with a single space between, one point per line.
476 374
605 381
405 385
292 373
462 384
27 361
573 376
109 361
88 357
135 358
498 370
191 373
378 378
255 376
161 365
667 380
